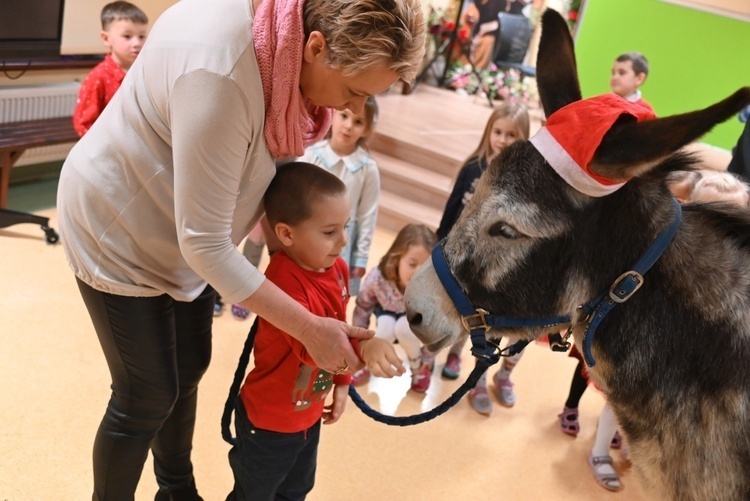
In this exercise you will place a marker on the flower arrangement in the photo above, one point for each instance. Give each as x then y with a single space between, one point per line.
441 23
574 7
437 20
506 84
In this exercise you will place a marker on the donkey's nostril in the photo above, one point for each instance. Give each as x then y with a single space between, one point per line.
416 319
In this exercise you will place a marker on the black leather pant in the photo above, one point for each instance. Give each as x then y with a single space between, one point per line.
157 350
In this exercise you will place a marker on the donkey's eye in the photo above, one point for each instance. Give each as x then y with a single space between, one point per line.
503 229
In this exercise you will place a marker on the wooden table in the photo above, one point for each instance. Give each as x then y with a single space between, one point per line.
17 137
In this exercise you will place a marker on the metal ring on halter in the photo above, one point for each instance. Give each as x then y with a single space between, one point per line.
343 370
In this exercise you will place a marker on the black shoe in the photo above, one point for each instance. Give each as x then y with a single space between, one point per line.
187 493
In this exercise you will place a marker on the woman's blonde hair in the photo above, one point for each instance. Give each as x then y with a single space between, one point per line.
411 234
720 187
363 33
516 113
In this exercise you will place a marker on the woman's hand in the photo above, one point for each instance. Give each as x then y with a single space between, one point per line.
326 339
327 342
381 358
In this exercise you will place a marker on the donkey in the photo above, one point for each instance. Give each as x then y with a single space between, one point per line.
674 359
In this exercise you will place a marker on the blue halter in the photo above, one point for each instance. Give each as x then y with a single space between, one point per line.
477 320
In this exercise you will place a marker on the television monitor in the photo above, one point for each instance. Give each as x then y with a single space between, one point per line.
30 29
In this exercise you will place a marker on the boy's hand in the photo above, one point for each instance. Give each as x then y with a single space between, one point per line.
381 358
333 411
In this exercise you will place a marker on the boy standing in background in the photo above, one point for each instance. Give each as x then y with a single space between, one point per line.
628 74
124 28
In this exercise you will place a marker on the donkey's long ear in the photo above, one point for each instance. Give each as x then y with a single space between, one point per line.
556 74
630 149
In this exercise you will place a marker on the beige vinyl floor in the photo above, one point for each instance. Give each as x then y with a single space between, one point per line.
55 387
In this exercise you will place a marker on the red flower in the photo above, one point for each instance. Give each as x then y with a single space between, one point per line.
463 34
450 25
573 15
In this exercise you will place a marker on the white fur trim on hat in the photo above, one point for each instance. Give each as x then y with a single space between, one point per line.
567 168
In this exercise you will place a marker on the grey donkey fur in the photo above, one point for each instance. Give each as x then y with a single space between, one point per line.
674 361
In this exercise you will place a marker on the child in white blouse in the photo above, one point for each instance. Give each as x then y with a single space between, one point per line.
382 294
344 153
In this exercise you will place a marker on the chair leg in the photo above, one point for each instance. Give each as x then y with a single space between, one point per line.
9 218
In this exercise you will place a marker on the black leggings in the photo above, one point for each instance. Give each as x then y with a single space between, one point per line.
577 386
157 350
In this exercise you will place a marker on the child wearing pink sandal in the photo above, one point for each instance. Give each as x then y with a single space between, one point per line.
607 435
569 416
479 398
600 460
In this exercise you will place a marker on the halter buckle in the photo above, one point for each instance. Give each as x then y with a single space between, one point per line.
625 286
476 321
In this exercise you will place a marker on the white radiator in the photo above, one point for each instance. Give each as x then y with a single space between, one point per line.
35 102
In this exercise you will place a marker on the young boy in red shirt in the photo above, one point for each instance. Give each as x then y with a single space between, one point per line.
124 28
629 72
281 403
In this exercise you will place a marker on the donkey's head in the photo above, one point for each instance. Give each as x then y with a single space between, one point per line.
515 251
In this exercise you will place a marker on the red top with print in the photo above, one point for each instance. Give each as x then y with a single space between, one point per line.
96 91
285 391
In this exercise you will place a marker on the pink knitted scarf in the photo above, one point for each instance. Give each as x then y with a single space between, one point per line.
292 122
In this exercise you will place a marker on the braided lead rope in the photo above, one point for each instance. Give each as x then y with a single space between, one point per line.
489 357
234 390
484 361
470 383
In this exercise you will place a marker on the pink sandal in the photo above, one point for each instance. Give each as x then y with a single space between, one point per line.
504 390
240 312
480 400
569 421
610 481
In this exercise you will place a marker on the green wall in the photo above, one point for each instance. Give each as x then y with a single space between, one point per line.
696 58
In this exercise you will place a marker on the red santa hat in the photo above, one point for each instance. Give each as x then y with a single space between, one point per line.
574 132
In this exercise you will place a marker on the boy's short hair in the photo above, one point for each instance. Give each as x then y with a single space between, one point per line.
294 189
116 11
640 63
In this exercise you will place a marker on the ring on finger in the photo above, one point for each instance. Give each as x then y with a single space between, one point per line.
342 370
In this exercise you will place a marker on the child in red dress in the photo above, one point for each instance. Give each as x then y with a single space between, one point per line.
124 28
